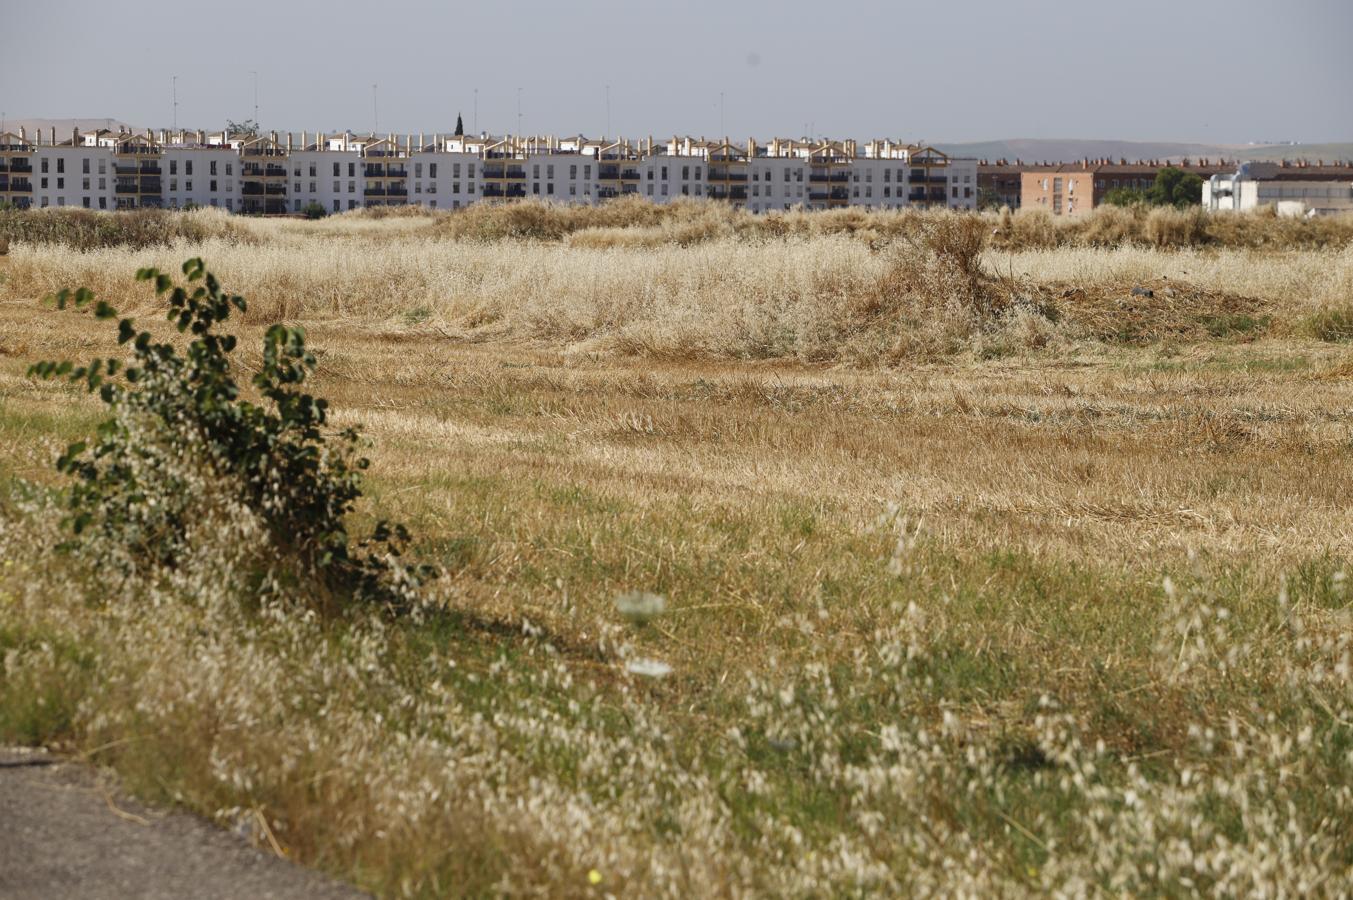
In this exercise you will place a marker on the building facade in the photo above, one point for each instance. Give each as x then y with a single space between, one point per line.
279 174
1069 189
1295 189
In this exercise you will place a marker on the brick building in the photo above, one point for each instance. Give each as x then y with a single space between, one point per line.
1072 188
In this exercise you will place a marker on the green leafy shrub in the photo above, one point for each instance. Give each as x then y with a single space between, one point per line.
181 434
314 210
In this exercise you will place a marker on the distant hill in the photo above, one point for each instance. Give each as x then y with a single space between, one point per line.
1069 150
62 126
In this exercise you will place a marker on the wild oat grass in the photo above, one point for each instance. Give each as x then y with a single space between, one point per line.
830 295
1069 615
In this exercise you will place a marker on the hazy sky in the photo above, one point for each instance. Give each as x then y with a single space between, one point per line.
1194 70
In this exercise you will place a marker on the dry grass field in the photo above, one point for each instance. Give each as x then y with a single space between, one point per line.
983 577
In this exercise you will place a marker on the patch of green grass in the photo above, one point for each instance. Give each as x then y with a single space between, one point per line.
1332 323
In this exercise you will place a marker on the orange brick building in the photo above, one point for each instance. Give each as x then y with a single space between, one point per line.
1072 188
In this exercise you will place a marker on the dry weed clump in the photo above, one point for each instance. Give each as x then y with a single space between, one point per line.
82 229
1169 228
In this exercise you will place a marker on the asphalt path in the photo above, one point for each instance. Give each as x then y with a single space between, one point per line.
64 833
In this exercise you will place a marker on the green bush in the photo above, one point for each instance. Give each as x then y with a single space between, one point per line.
180 435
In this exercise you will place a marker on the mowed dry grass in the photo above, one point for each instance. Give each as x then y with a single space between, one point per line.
1235 452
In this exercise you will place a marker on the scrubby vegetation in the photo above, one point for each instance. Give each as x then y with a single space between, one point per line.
82 229
1044 590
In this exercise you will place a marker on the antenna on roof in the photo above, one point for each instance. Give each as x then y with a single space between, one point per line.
174 80
254 72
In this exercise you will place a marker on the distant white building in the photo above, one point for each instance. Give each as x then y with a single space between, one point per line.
277 174
1293 189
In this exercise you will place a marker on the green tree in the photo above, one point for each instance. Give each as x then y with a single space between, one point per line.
247 128
1126 196
1175 187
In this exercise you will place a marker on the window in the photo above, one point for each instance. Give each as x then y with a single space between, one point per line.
212 186
573 173
535 171
352 170
188 186
587 171
686 173
86 203
535 187
573 190
336 200
60 165
417 170
664 175
549 188
44 165
213 168
85 186
470 173
297 173
103 203
298 185
455 172
312 187
173 184
102 164
230 168
60 182
84 165
336 174
312 172
432 173
352 187
173 167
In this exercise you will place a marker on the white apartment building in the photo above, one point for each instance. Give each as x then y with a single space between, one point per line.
279 174
1293 189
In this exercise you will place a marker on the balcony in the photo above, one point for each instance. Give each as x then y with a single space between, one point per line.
397 191
500 173
373 192
124 188
509 191
373 172
150 185
19 187
725 175
20 167
251 189
126 170
149 169
396 173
